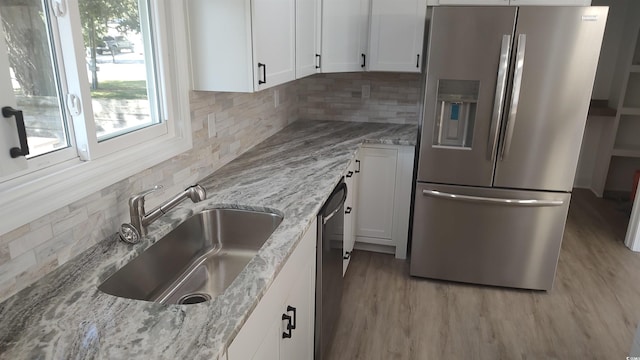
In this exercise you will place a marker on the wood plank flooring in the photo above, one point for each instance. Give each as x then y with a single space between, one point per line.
591 313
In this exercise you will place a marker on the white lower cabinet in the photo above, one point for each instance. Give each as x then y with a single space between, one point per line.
350 211
282 324
384 198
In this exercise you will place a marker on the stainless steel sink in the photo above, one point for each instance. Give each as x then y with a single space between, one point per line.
197 260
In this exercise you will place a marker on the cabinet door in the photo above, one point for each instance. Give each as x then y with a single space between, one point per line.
376 192
396 35
220 45
269 349
273 30
344 35
307 37
261 335
300 345
350 214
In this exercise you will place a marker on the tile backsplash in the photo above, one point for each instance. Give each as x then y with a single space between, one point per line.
363 97
241 121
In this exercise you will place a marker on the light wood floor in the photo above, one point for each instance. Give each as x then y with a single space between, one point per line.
591 313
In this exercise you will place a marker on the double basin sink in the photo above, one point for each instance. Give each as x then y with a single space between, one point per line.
197 260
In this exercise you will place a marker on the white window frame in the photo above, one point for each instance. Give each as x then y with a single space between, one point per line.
28 197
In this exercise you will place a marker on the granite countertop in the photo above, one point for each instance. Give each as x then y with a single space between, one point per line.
65 316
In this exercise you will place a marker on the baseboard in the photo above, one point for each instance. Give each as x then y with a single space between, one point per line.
385 249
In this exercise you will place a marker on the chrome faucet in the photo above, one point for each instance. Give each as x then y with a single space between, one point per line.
132 232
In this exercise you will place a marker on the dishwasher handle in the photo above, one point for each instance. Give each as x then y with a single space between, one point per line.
341 187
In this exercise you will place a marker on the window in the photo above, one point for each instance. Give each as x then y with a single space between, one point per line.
94 84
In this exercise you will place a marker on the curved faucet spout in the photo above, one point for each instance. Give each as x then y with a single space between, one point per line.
140 219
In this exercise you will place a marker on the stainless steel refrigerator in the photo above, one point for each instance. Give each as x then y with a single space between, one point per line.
506 100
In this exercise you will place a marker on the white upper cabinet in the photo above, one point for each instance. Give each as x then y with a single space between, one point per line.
396 35
241 45
513 2
372 35
308 35
345 26
273 42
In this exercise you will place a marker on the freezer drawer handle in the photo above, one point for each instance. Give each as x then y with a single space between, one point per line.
478 199
498 104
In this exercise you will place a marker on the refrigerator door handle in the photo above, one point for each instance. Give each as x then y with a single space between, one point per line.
498 103
497 201
515 95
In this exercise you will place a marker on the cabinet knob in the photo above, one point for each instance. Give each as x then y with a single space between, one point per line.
348 211
347 255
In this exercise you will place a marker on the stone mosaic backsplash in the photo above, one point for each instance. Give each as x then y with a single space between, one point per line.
363 97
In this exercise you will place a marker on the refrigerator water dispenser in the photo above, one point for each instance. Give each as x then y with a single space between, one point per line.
455 114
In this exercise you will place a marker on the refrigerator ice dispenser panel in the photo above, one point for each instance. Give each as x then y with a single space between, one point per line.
455 114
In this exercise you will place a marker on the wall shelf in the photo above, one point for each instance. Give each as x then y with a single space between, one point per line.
618 153
626 151
629 111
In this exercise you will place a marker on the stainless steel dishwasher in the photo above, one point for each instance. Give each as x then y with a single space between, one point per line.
329 269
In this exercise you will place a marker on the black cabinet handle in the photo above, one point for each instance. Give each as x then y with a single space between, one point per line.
348 211
23 150
418 61
293 323
364 61
358 162
347 255
319 62
349 174
287 334
264 73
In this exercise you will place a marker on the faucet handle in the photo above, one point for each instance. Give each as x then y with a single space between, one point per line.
140 196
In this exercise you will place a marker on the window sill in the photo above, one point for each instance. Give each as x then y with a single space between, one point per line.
22 202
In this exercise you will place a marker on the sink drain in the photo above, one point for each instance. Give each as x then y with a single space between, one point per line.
194 299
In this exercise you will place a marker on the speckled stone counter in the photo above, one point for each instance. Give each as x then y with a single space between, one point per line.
65 316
